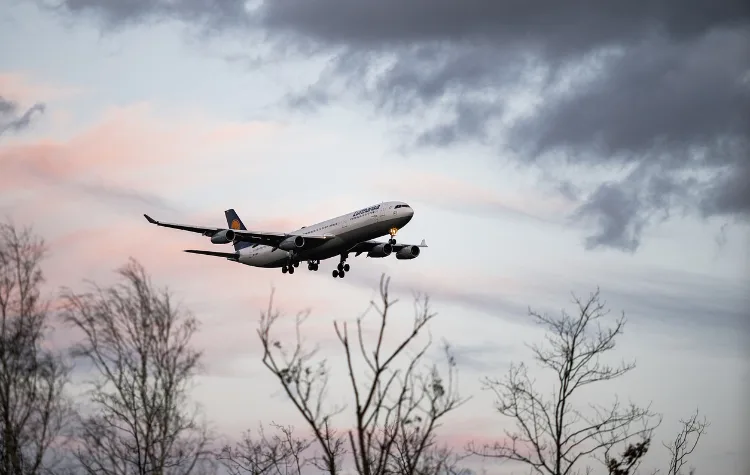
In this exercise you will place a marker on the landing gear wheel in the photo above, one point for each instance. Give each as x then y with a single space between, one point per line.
296 264
335 273
291 270
342 274
346 267
392 241
284 270
340 267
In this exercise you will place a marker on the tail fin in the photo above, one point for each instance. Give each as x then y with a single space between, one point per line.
234 222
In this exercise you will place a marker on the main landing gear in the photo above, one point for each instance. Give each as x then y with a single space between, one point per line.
293 262
312 265
342 268
290 268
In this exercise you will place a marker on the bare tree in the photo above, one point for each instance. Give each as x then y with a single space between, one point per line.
685 443
281 454
139 345
396 411
552 436
33 406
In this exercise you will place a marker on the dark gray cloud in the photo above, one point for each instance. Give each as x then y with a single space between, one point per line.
211 15
658 88
665 92
12 119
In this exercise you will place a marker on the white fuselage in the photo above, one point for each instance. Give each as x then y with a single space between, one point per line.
348 230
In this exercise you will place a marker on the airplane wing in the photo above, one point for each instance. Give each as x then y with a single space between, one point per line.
367 246
232 256
255 237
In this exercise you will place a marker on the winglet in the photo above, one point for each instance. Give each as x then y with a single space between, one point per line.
423 244
150 219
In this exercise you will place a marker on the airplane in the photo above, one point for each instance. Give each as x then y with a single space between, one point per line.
353 232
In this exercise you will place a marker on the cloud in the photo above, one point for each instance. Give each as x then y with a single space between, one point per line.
463 196
657 88
26 89
690 300
114 15
106 160
660 88
22 100
664 300
479 294
14 120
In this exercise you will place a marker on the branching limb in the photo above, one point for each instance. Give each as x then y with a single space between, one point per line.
685 442
281 454
305 384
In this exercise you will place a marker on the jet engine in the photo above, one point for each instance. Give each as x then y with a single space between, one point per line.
292 242
381 250
223 237
408 252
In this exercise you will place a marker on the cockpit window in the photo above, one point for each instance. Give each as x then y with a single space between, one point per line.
401 206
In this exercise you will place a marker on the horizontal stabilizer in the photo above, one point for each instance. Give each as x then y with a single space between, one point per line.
228 255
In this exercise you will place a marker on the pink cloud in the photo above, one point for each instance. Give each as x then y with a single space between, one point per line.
22 88
129 156
126 139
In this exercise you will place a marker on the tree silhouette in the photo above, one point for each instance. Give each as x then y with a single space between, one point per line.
552 436
33 407
395 410
139 345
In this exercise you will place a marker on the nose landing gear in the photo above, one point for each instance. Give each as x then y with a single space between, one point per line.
313 265
392 232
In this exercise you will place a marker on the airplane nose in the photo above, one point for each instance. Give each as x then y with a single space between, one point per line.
408 213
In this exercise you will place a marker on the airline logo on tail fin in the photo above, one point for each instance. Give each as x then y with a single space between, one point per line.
234 222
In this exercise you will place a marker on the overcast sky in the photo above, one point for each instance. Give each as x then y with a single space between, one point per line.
546 147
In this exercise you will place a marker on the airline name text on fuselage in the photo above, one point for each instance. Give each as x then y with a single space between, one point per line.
366 210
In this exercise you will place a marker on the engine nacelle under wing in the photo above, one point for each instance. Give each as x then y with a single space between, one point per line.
408 252
381 250
292 243
223 237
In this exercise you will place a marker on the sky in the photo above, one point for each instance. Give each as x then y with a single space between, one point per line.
546 148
